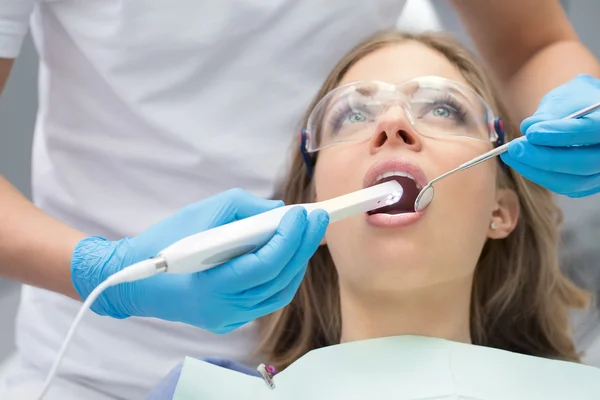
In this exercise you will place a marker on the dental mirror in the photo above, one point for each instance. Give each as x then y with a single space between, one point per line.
425 196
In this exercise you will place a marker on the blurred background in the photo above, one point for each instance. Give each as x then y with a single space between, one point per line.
581 235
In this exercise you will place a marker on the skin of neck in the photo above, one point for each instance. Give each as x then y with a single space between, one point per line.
441 311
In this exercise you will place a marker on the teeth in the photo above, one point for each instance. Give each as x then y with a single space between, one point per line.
396 173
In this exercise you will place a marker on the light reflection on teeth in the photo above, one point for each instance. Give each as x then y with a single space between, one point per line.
397 173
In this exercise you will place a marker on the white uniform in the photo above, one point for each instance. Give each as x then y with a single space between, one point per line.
146 106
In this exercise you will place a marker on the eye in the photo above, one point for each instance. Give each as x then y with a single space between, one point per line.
354 117
442 112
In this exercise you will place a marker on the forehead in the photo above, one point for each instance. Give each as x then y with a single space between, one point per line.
400 62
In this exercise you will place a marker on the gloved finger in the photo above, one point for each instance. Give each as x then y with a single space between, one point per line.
552 113
566 184
567 132
266 263
241 204
565 100
221 209
574 160
280 299
317 226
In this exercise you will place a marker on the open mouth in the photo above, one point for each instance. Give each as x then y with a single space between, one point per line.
411 190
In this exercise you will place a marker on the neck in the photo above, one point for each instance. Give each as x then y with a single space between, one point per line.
440 311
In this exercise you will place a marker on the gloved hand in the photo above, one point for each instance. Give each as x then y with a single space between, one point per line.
545 155
220 299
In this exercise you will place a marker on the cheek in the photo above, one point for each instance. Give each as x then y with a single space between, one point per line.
463 203
464 215
332 177
470 188
471 195
338 172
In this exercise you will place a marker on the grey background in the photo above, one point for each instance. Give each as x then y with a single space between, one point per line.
17 117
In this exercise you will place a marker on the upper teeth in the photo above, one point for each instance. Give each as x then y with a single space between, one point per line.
397 173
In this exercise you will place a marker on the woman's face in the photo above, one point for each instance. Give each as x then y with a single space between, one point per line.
410 250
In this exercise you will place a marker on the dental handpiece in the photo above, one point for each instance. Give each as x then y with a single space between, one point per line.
218 245
425 196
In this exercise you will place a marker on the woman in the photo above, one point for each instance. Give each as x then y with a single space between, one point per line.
478 266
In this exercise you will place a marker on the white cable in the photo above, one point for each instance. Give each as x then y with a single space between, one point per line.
140 270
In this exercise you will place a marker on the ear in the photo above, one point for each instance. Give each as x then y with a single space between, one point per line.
505 214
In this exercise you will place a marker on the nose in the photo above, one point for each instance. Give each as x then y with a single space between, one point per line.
395 129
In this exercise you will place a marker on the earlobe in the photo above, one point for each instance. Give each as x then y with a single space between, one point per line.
506 214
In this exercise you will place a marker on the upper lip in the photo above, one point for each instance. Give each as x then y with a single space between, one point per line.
389 165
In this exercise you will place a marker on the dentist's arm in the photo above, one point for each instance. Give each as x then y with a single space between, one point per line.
5 67
34 248
529 46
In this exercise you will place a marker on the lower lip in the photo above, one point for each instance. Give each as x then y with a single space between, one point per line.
393 220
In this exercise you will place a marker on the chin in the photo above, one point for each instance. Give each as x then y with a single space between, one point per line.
394 251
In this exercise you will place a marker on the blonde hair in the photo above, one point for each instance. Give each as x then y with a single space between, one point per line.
520 299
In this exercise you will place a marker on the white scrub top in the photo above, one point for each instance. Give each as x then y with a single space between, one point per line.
146 106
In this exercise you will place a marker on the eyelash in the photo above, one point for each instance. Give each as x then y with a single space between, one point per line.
448 102
455 107
339 115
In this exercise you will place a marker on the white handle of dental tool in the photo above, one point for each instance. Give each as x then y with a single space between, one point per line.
216 246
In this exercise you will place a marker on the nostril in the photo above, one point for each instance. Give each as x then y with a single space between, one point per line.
380 140
408 139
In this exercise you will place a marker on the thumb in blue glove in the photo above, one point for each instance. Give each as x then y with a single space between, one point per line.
563 155
219 299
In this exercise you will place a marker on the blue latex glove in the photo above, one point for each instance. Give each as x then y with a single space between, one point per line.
544 155
165 390
220 299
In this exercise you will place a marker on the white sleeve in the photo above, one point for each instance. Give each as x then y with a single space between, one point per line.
14 23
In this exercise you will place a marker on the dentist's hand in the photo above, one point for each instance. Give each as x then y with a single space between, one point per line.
220 299
546 156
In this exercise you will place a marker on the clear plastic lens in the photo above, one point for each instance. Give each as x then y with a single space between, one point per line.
435 107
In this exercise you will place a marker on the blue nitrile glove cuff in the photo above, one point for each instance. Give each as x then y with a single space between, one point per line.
94 260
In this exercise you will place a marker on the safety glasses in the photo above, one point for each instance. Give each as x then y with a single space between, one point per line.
435 107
